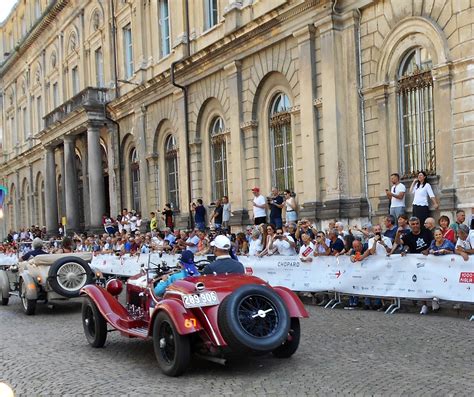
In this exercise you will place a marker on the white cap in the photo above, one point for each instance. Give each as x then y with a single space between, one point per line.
221 242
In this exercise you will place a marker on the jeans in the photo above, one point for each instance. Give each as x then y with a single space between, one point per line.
200 225
397 211
278 222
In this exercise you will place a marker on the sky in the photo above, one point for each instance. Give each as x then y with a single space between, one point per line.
5 8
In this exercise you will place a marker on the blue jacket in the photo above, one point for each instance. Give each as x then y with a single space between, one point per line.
162 285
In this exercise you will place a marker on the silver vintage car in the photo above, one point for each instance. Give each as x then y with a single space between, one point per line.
46 277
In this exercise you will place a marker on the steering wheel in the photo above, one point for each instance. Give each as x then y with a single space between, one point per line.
202 263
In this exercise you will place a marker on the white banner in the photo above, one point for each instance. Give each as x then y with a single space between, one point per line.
415 276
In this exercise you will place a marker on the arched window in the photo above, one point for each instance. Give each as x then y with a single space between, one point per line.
281 143
218 158
172 177
135 178
417 132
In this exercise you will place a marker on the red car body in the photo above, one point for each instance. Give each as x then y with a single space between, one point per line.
138 317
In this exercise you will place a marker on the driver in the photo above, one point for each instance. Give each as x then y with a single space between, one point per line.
37 246
187 269
224 262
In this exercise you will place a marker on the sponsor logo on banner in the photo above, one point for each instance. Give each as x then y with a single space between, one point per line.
466 277
369 278
289 264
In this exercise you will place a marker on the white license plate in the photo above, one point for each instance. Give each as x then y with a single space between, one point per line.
199 300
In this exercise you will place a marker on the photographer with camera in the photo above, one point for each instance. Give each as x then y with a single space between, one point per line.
379 244
168 216
321 246
275 201
283 243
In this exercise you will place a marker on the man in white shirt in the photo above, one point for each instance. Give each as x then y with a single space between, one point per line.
192 242
132 222
465 242
259 207
283 243
379 244
397 196
307 249
226 213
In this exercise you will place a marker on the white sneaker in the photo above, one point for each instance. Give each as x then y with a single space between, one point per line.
424 309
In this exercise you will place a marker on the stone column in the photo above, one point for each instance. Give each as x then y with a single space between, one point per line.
141 150
96 178
70 184
236 166
51 201
310 149
251 163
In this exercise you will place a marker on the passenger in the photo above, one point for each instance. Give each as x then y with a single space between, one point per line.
187 269
66 246
37 246
224 262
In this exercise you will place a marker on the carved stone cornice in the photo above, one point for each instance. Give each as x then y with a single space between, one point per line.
318 102
294 109
249 125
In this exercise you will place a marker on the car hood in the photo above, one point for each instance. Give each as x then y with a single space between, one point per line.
219 283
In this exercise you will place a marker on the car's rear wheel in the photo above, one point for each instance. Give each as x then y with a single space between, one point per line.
94 323
289 347
28 305
172 350
5 301
253 318
68 275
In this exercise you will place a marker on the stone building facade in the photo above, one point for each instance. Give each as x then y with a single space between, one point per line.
326 98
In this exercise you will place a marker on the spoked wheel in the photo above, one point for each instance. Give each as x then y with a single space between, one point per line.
258 316
289 347
253 318
94 323
68 275
28 305
172 350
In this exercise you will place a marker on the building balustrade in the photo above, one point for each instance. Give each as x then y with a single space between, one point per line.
89 99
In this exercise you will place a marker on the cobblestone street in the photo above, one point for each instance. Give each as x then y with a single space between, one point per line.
342 352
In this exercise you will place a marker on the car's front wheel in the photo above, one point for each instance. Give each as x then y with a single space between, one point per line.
28 305
94 323
172 350
289 347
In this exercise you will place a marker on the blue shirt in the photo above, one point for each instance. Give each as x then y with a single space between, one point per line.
162 285
447 245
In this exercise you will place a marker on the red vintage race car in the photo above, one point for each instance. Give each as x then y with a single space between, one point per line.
209 315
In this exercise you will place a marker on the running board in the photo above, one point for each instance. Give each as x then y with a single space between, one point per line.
141 332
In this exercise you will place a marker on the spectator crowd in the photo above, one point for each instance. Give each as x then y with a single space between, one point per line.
276 230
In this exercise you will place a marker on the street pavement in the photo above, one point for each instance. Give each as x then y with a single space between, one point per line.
341 353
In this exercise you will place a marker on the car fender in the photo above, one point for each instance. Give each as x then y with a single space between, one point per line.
4 284
293 303
31 286
184 320
108 305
